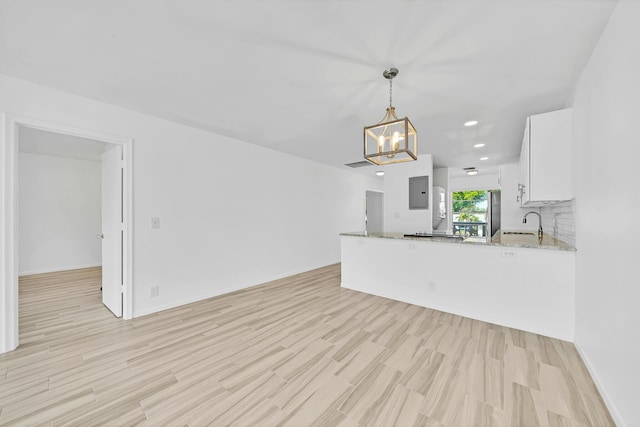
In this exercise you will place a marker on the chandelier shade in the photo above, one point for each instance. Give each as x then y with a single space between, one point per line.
392 140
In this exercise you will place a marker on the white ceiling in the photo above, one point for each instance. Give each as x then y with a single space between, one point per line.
37 141
305 76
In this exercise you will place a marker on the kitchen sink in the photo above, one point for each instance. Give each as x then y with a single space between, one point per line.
519 233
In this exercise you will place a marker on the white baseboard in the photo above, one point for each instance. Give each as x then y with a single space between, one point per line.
218 292
613 410
57 269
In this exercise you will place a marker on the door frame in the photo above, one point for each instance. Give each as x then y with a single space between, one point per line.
9 332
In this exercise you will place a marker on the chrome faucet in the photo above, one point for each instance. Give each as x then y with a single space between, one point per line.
524 221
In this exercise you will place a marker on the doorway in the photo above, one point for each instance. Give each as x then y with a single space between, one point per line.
9 147
374 212
59 202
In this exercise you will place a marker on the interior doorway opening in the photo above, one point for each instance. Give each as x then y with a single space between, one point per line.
374 212
70 208
10 258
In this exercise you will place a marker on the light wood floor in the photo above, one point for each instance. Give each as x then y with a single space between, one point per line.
298 351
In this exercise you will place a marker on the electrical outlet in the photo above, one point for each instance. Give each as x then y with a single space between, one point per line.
431 286
155 223
509 254
154 291
412 245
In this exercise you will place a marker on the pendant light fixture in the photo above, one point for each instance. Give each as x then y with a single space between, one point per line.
392 140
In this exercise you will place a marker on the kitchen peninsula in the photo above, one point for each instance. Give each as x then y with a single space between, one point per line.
512 280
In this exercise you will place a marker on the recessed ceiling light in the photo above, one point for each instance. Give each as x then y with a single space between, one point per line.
380 173
471 123
484 158
478 145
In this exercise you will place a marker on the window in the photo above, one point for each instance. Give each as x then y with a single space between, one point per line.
470 212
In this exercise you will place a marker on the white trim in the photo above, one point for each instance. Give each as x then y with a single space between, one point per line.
57 269
9 247
219 292
613 410
9 226
127 226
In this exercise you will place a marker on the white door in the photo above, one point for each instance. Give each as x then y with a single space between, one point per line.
374 212
112 229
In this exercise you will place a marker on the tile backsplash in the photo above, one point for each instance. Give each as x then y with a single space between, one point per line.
559 221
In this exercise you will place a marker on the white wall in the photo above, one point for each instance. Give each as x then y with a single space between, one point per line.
441 177
606 151
227 221
59 213
482 181
397 216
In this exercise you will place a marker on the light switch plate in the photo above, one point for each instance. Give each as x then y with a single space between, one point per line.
155 222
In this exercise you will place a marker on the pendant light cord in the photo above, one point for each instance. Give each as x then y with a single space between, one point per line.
390 92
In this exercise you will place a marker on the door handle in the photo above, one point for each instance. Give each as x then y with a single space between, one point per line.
99 236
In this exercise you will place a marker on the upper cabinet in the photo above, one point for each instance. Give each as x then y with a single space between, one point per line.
545 159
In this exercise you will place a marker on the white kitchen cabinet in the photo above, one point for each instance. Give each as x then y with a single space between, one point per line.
545 159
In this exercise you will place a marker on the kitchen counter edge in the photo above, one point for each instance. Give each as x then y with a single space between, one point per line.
499 239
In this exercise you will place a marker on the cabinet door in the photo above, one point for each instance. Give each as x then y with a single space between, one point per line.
524 190
550 156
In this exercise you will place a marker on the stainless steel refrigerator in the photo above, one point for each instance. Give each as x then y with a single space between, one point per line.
493 212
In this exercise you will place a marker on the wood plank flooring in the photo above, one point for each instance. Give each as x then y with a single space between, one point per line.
300 351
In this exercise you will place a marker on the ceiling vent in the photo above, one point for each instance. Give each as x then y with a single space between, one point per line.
471 171
359 164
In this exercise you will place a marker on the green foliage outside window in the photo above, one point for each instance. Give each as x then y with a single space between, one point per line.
467 217
467 201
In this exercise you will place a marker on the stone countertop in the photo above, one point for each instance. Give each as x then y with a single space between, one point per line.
501 238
